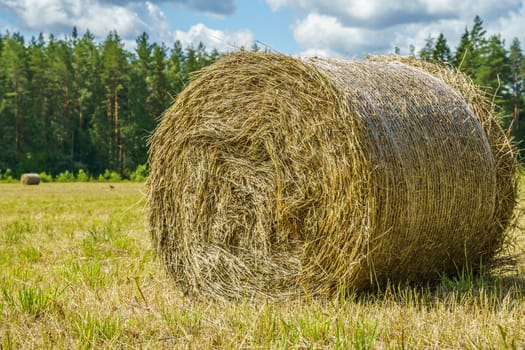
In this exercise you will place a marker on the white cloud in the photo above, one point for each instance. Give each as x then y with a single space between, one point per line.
213 38
327 36
128 18
100 18
372 13
367 13
511 26
220 8
357 27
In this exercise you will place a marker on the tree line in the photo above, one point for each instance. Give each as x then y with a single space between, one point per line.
73 103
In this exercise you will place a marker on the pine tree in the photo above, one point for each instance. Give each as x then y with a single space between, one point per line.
143 67
463 56
38 83
158 98
426 52
411 51
175 68
477 34
469 56
478 45
441 52
493 69
397 50
88 94
14 76
213 56
190 63
143 51
516 81
60 93
114 79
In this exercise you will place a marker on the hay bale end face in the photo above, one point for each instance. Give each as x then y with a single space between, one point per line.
275 176
30 179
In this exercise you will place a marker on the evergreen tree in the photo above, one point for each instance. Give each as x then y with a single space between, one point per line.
135 128
175 73
114 79
14 76
60 93
88 94
158 99
143 51
190 63
493 71
397 50
411 51
477 34
441 51
202 56
136 125
426 52
516 63
141 83
463 56
469 53
213 56
38 83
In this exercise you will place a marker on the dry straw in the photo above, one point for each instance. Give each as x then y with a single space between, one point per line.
30 179
280 177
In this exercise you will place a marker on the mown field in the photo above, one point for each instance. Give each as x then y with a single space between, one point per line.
77 271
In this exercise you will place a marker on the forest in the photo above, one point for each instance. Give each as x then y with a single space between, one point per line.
72 103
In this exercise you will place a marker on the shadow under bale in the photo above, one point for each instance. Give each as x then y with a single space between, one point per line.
279 177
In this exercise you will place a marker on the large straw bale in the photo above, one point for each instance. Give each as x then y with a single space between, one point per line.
280 177
30 179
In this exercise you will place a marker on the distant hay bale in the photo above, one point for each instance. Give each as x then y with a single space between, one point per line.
280 177
30 179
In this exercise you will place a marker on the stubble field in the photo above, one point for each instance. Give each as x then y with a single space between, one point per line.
77 271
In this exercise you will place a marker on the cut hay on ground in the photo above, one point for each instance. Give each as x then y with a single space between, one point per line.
30 179
281 177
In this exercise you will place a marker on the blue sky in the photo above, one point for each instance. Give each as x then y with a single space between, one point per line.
295 27
267 26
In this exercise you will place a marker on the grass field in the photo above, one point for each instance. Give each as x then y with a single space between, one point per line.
77 271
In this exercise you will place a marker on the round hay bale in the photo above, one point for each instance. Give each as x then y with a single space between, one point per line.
280 177
30 179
